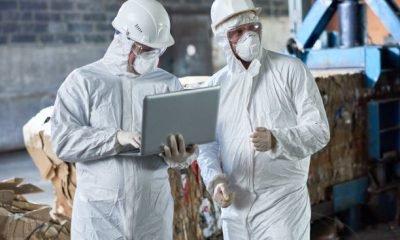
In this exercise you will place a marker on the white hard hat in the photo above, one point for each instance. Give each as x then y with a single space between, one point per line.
146 22
222 10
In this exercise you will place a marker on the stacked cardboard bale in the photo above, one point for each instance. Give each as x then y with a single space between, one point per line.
194 208
37 134
345 157
20 219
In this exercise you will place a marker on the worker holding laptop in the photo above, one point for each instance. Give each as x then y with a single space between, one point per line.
98 112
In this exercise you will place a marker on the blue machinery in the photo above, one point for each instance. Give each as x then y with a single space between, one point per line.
352 52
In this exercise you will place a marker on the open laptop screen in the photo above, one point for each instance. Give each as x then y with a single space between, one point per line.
192 113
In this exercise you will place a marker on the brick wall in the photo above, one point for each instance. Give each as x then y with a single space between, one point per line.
56 21
86 21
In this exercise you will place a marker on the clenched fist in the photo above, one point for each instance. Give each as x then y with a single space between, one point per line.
222 196
263 140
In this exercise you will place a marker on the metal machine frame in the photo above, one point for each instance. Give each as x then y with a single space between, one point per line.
372 59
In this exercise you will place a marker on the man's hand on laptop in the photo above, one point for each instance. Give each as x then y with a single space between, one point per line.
176 150
129 138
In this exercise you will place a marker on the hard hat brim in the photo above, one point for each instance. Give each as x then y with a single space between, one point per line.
256 10
166 44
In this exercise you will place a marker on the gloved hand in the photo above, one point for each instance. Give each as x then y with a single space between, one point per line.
176 151
125 138
222 196
262 139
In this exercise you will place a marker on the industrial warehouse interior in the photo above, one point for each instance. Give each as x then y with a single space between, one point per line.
296 135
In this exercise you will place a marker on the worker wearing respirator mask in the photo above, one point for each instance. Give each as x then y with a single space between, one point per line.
98 112
271 119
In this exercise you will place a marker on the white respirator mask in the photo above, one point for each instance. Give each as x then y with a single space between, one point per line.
145 63
248 46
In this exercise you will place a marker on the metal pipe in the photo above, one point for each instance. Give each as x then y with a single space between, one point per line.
352 23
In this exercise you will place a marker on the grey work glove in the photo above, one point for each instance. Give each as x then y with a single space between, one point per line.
129 138
222 196
263 140
175 150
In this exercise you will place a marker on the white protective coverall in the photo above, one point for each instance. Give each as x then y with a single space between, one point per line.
117 197
279 93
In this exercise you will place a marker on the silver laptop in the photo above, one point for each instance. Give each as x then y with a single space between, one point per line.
193 113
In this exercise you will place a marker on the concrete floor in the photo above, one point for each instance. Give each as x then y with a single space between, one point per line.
19 164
